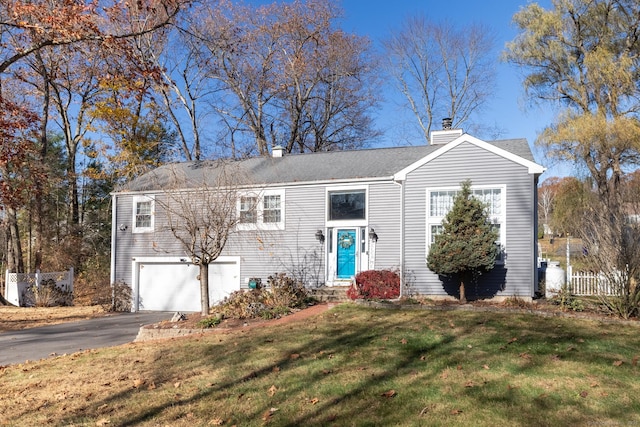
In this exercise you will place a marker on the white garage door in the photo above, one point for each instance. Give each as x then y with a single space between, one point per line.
174 285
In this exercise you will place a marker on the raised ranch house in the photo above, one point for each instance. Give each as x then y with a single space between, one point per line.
324 217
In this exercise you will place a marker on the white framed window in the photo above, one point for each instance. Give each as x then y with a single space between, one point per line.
271 209
347 206
264 210
143 214
248 210
440 201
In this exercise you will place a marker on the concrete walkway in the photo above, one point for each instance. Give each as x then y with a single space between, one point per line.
66 338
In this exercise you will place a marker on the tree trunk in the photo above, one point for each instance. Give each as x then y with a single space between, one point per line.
39 192
204 288
463 281
15 247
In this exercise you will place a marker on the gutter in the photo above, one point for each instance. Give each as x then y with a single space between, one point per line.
283 185
402 284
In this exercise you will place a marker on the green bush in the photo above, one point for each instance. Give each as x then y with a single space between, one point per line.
210 322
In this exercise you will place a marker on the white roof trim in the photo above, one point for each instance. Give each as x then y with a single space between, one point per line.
533 168
326 183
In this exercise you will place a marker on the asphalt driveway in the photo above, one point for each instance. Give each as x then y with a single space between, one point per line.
66 338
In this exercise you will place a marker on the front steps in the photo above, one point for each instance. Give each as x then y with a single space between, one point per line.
332 294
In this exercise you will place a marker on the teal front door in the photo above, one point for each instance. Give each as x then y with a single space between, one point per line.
346 250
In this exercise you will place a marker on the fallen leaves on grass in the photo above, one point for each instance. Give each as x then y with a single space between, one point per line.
618 363
389 393
266 416
272 390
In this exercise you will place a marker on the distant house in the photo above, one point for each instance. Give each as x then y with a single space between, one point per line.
324 217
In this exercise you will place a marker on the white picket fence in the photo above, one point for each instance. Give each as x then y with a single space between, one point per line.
17 283
584 283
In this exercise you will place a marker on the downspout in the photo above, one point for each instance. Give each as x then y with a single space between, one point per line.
402 274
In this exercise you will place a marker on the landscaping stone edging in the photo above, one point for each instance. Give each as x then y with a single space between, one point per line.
148 334
151 332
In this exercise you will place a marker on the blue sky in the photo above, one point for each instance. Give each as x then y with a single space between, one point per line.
508 108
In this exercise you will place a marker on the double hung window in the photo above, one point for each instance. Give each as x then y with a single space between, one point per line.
143 214
440 201
262 211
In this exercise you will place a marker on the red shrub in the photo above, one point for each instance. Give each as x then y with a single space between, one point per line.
375 284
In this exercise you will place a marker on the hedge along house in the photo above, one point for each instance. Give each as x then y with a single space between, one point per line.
324 217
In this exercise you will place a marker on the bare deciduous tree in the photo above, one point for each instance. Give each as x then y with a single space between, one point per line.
288 77
201 213
548 192
442 70
613 248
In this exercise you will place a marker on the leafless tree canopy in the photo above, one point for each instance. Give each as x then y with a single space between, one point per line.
612 241
442 70
286 76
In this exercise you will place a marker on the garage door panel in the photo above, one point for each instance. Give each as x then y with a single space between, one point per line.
169 287
174 286
224 278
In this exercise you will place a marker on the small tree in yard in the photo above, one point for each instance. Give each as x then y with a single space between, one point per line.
467 244
201 214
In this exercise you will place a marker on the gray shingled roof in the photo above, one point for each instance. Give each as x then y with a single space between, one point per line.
304 168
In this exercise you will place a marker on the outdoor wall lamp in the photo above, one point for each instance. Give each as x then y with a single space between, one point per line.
373 236
320 236
123 227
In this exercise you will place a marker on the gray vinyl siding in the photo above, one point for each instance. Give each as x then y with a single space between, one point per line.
467 161
294 250
130 245
384 218
123 240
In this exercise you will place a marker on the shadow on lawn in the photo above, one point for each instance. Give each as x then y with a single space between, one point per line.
339 335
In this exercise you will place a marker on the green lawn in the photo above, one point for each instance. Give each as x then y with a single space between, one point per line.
350 366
